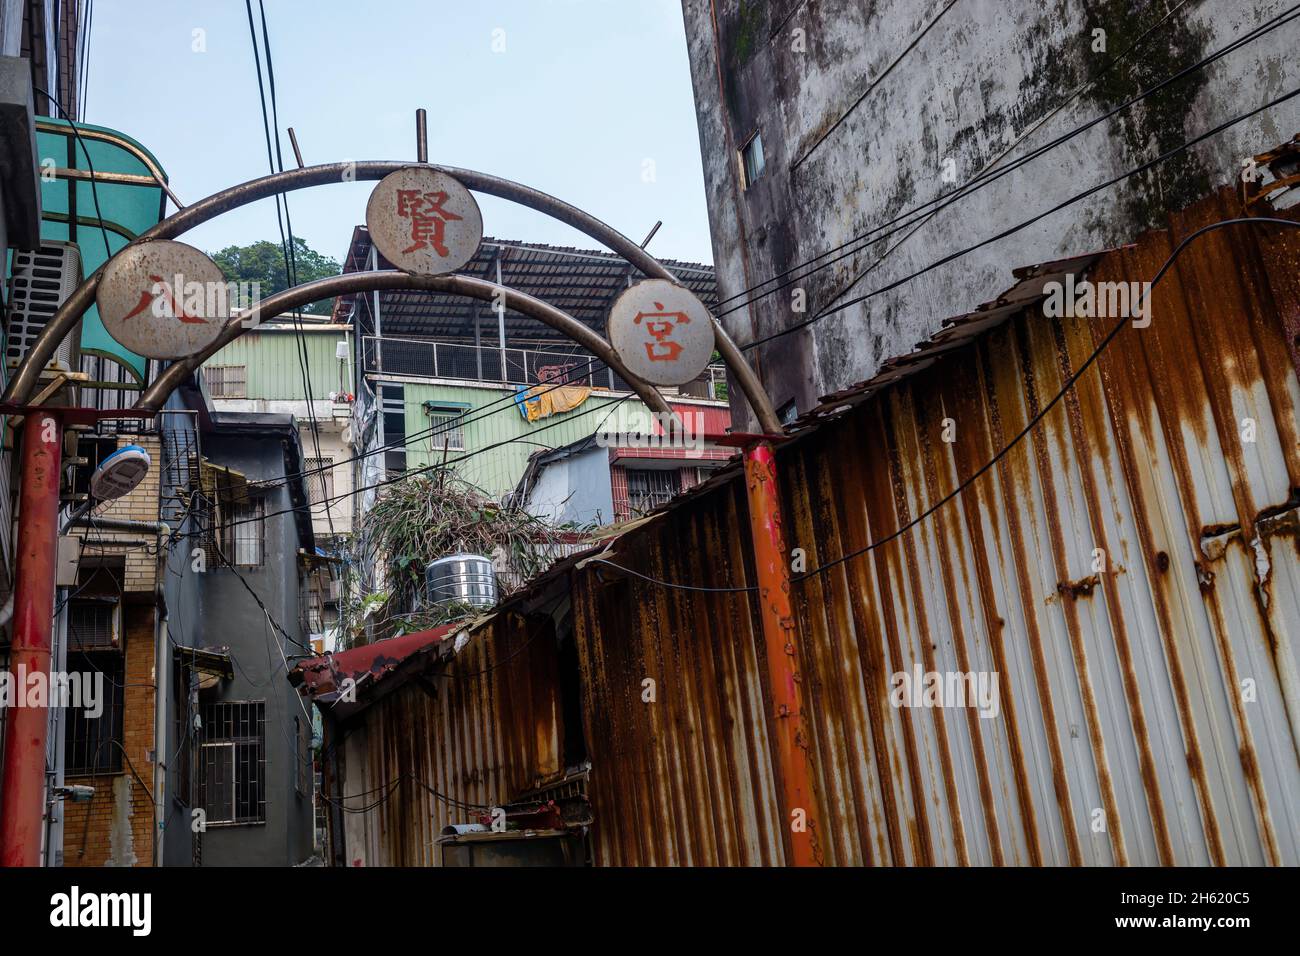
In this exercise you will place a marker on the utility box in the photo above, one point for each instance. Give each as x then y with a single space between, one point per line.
511 848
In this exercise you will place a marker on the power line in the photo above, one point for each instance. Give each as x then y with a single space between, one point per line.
1029 426
426 468
284 221
988 176
944 260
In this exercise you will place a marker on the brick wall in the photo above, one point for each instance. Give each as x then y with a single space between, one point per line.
99 832
140 505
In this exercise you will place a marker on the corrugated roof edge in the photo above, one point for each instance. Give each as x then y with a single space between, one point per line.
953 333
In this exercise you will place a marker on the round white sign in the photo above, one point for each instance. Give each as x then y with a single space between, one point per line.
662 332
424 221
164 299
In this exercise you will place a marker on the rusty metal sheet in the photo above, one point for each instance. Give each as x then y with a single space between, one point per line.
474 729
1130 572
1148 711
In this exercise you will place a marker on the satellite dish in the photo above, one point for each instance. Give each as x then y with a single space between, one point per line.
119 473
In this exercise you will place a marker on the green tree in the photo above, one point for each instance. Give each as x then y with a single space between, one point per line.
263 262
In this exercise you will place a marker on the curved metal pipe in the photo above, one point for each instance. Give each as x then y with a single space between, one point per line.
156 394
24 381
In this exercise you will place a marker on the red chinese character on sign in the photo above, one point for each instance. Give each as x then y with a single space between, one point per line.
659 350
147 300
428 218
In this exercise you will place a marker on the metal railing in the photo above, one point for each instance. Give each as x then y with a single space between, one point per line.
424 358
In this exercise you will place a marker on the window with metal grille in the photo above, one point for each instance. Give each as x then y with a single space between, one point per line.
446 426
751 160
232 762
239 528
94 625
94 744
317 469
648 489
226 381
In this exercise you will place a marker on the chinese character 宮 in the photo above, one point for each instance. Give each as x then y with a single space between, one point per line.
660 325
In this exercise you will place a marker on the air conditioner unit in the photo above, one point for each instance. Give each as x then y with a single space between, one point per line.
39 283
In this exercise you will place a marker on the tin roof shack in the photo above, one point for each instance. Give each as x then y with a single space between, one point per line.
438 728
1124 581
240 739
792 98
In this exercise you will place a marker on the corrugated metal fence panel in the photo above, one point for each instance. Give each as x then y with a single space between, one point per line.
681 768
473 732
1130 572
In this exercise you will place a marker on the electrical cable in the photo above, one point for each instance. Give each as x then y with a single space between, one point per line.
1029 426
988 176
944 260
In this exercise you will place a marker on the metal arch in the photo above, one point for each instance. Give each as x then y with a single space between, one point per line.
156 394
25 378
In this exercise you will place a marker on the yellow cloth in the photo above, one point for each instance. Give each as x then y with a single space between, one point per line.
542 401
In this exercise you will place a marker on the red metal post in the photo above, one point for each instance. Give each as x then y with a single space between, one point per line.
22 798
794 764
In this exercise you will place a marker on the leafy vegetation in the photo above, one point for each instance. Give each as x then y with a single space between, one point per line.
263 262
430 516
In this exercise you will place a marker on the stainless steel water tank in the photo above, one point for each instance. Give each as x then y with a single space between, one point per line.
461 579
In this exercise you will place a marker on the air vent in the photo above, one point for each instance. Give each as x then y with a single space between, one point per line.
39 283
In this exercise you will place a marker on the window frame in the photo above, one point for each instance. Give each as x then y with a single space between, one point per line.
743 155
319 467
445 410
104 759
218 383
233 744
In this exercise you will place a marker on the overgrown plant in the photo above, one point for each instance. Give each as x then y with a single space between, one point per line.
429 516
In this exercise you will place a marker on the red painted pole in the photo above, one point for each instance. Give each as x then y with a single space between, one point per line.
22 798
793 761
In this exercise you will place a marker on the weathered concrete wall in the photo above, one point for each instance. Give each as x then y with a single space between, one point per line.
860 124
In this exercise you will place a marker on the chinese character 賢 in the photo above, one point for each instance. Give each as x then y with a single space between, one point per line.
428 219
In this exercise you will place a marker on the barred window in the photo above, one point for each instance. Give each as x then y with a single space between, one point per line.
232 762
313 478
648 489
94 625
238 530
93 744
446 425
226 381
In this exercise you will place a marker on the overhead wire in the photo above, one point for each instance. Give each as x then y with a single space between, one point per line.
1033 421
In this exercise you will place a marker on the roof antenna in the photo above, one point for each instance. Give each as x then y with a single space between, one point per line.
421 137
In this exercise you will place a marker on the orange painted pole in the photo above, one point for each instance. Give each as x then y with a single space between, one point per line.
793 760
22 798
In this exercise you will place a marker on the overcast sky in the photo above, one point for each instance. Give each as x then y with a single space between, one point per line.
585 96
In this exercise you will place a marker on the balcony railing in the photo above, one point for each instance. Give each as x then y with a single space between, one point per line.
421 358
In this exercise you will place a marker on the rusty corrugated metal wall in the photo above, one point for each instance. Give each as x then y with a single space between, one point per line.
1148 713
473 731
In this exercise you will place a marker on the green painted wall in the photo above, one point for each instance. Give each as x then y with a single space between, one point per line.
497 471
272 363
